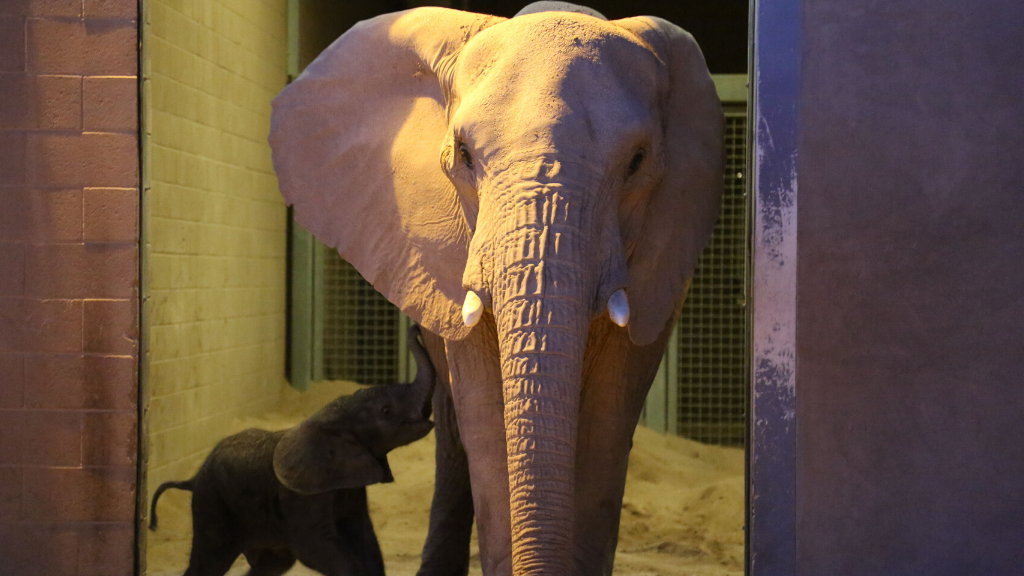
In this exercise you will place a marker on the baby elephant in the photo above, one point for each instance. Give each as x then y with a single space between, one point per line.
301 493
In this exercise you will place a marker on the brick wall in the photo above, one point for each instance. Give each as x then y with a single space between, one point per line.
214 223
68 286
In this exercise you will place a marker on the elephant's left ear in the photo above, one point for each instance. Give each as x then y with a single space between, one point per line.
311 460
683 208
356 143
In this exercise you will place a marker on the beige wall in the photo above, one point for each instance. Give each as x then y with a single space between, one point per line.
214 223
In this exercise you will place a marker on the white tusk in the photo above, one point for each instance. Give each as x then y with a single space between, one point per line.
472 308
618 308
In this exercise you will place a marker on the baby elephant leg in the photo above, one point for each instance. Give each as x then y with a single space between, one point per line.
314 538
267 562
327 555
353 522
215 543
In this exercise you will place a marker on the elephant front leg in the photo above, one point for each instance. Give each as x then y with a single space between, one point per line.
616 378
353 523
446 551
479 406
311 525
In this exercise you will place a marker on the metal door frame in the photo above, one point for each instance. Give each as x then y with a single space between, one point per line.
774 61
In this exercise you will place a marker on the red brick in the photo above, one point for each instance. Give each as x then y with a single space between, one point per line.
29 325
81 270
107 550
12 269
11 425
40 438
111 326
41 215
93 494
86 47
128 9
12 381
80 382
12 43
111 215
110 103
10 493
33 550
110 438
90 159
66 8
13 149
40 102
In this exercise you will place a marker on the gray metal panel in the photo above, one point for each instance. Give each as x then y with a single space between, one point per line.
671 364
293 39
771 523
300 258
731 88
910 421
656 404
300 341
319 255
406 362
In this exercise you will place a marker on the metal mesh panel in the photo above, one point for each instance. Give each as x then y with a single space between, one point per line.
713 351
360 327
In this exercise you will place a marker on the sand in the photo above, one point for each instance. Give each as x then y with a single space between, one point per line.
682 513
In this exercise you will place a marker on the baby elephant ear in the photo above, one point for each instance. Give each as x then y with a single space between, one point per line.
683 208
308 460
356 143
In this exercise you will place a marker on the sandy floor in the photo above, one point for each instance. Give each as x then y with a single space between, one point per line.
682 513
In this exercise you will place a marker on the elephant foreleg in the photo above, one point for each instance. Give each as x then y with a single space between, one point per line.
446 551
312 532
617 375
477 394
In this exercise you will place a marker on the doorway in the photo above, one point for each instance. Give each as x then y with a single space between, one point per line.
251 322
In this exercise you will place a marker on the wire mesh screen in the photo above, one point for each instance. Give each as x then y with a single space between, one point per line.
360 327
713 352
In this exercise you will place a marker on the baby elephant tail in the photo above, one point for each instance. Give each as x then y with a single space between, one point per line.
180 485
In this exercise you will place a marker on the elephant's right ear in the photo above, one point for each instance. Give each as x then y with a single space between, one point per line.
311 460
683 207
356 143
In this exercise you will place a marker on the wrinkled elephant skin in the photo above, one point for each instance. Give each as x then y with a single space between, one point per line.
522 188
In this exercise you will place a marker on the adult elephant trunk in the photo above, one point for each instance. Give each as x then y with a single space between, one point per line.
541 345
543 232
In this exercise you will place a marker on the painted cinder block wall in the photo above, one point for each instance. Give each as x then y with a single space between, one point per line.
215 224
69 176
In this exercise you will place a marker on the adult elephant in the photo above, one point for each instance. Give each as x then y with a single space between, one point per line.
536 191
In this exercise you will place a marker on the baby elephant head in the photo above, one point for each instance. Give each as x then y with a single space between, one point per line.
345 444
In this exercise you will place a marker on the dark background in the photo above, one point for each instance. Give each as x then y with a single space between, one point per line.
720 27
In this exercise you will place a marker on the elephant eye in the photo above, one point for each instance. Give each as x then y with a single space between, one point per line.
385 411
636 162
464 155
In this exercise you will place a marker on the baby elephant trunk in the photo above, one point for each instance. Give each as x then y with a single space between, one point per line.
426 375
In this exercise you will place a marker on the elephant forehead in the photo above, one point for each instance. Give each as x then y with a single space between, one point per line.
537 50
554 79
